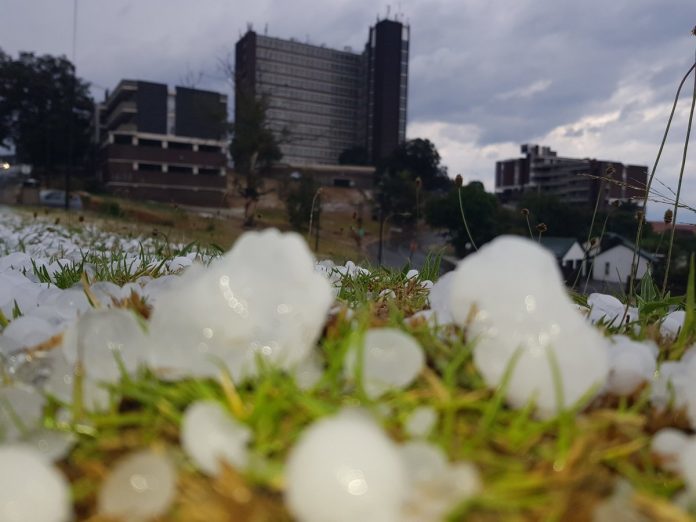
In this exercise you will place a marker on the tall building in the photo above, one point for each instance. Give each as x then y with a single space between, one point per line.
574 181
164 145
329 100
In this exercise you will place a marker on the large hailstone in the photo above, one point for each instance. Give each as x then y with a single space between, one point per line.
21 411
435 486
31 490
103 340
668 445
210 435
343 469
392 359
631 363
510 295
609 310
141 486
261 300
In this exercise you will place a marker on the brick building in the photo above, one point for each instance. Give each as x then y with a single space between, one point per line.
163 145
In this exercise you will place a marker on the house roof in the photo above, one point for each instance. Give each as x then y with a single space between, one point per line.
559 246
611 240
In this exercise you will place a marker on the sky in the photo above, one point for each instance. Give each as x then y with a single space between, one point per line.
590 78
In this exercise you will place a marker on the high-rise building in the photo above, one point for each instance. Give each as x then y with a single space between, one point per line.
164 145
575 181
327 100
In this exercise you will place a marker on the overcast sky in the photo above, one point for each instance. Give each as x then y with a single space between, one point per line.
590 78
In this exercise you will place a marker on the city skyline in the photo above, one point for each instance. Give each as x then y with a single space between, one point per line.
588 80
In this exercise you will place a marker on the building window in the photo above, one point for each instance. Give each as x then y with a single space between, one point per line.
149 167
606 268
123 139
149 143
180 169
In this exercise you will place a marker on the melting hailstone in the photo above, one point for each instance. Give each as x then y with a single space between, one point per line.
421 422
52 445
343 469
667 445
511 297
261 299
30 488
102 339
21 410
209 434
435 486
141 486
631 363
391 359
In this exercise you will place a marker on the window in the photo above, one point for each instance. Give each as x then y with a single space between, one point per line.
607 266
121 139
180 169
149 167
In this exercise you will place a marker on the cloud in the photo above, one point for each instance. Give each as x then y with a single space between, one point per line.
527 91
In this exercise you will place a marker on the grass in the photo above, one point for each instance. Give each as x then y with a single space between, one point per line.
557 469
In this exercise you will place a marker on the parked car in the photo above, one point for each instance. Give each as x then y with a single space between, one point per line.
56 198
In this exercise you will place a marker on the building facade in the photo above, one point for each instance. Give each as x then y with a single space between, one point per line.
573 181
164 145
324 101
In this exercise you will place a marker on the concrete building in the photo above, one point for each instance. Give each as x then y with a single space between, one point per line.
572 180
164 145
329 100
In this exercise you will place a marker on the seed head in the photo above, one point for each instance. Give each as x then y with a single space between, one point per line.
524 212
81 219
541 228
459 181
610 170
616 203
419 183
669 215
639 215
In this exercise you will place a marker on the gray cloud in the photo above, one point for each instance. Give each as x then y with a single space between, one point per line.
592 78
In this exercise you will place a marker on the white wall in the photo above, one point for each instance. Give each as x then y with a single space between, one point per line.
574 256
614 265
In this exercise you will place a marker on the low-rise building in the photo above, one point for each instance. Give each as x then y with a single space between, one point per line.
575 181
163 145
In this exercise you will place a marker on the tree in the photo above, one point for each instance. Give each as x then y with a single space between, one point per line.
254 148
413 167
45 111
480 210
420 159
299 203
354 156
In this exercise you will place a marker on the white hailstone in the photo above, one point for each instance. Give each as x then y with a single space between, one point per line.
436 486
308 372
52 445
61 384
511 295
141 486
106 292
687 463
427 284
423 462
210 435
391 359
668 444
421 421
21 410
69 303
30 488
104 339
609 310
631 364
15 260
27 331
669 385
422 315
262 299
156 287
672 324
412 273
440 298
343 469
619 507
387 293
179 263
